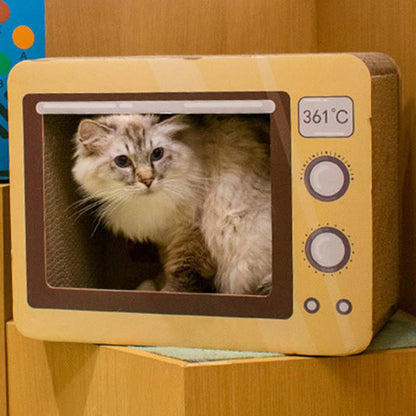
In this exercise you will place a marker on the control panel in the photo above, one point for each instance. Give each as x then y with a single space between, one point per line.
327 176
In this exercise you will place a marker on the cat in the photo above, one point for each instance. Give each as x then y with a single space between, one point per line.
196 186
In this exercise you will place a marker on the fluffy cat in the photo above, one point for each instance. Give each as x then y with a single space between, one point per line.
196 186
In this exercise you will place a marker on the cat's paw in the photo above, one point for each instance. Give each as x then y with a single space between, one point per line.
264 288
148 285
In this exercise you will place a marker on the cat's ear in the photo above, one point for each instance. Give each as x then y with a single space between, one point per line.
93 135
174 125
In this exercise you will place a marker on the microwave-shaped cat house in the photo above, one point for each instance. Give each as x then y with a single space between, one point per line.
333 146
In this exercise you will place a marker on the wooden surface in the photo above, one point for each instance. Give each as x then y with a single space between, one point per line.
5 291
48 379
384 26
86 380
158 27
381 384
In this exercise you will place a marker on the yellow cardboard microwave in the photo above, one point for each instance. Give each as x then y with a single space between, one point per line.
332 140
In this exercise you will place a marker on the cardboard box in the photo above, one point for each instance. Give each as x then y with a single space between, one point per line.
336 110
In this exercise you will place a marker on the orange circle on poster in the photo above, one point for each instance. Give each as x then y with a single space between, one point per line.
23 37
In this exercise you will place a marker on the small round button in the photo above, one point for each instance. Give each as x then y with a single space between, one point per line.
327 249
311 305
344 306
327 178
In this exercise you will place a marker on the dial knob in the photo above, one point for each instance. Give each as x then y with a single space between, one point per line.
327 249
327 178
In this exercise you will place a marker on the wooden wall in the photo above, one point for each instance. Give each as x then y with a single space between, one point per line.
148 27
158 27
384 26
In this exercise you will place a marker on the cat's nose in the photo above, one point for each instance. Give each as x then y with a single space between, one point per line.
147 181
145 176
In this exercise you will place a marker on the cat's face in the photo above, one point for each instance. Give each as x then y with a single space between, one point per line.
130 155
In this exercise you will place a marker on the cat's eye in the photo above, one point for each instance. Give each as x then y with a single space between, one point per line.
122 161
157 154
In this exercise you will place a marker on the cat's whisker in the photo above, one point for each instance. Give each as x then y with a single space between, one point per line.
88 208
92 202
110 207
97 221
77 203
107 208
80 202
108 194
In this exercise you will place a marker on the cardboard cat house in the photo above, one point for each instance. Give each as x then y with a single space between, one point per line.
334 176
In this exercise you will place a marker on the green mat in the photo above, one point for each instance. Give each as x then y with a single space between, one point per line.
399 332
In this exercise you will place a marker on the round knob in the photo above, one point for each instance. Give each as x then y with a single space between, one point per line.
344 306
311 305
327 249
327 178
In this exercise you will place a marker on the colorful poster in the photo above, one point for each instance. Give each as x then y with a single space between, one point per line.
22 36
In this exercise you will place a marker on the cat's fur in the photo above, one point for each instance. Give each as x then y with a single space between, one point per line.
205 202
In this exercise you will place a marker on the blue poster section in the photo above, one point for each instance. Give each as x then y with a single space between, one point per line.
22 36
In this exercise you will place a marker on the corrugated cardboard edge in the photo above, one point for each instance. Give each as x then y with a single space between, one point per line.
385 102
